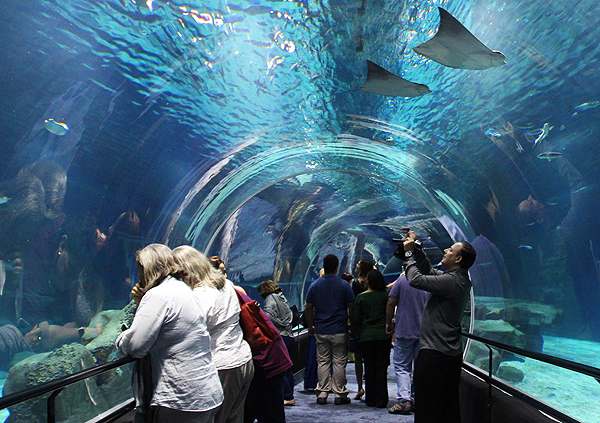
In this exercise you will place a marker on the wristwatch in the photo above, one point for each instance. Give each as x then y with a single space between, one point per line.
408 254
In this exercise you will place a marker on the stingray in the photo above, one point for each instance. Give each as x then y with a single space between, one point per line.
454 46
382 82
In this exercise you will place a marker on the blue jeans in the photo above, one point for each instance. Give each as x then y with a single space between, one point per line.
405 353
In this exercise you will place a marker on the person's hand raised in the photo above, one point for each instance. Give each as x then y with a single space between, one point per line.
137 293
409 241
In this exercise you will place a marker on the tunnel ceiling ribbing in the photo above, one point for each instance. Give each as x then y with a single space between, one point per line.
211 201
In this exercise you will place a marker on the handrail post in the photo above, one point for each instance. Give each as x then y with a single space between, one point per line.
489 404
51 418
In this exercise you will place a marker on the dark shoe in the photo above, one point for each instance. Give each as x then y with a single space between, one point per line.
342 401
322 400
359 394
405 408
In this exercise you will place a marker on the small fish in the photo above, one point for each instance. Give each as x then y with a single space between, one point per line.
252 10
2 276
257 10
544 133
525 247
260 43
4 200
232 19
57 128
493 132
519 146
384 142
549 155
585 106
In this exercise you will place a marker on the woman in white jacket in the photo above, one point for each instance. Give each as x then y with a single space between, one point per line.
231 354
170 326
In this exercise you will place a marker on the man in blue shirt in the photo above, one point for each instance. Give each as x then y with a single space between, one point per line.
328 303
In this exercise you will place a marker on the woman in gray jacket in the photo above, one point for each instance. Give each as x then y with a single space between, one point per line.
277 308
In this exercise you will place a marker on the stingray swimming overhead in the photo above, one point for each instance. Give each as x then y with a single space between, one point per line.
382 82
454 46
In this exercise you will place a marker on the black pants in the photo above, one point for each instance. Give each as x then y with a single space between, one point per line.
376 355
264 401
436 379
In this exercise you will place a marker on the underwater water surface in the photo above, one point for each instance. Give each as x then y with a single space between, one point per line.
239 127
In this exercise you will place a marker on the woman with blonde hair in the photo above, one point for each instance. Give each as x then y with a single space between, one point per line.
219 264
170 327
231 354
278 310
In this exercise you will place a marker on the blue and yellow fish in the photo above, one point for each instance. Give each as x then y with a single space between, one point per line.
57 128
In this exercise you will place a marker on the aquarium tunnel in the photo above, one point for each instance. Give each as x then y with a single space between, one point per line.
274 132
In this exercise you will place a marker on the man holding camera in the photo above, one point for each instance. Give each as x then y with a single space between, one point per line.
438 365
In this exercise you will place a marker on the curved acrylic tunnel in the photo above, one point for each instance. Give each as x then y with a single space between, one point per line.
300 198
240 128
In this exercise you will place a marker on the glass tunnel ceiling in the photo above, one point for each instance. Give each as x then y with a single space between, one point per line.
365 182
290 74
230 98
371 194
239 127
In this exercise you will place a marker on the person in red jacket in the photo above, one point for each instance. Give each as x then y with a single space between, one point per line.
264 401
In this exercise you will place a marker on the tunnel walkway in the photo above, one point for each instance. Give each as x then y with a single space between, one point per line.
307 410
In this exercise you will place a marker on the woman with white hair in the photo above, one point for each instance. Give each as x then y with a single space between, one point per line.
170 326
231 354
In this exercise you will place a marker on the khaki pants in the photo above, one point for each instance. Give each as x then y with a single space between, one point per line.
332 351
235 383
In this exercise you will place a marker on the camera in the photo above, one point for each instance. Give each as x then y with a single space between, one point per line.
401 240
399 253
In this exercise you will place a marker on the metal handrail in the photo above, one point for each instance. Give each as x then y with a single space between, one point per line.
59 384
559 362
492 381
